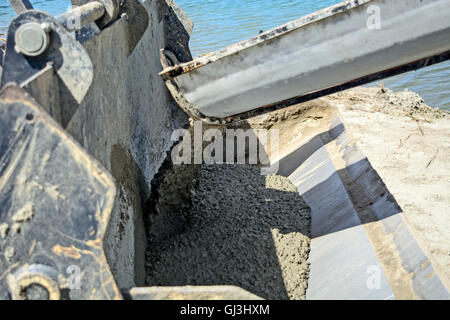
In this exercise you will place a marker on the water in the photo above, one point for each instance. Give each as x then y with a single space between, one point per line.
219 23
54 7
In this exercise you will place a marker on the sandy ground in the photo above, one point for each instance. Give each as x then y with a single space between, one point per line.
408 143
243 229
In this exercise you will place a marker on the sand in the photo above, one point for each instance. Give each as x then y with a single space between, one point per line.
408 144
243 229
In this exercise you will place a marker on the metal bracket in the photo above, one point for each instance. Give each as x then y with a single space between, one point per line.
51 43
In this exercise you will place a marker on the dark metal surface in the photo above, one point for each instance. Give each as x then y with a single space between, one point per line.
55 203
69 59
45 89
131 11
21 5
138 21
111 12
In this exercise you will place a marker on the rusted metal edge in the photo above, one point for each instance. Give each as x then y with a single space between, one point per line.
188 107
189 293
193 112
263 37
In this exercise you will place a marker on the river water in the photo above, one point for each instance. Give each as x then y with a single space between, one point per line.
219 23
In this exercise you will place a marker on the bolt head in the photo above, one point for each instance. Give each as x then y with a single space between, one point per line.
31 39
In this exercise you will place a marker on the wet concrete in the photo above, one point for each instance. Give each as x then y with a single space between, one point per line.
242 229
